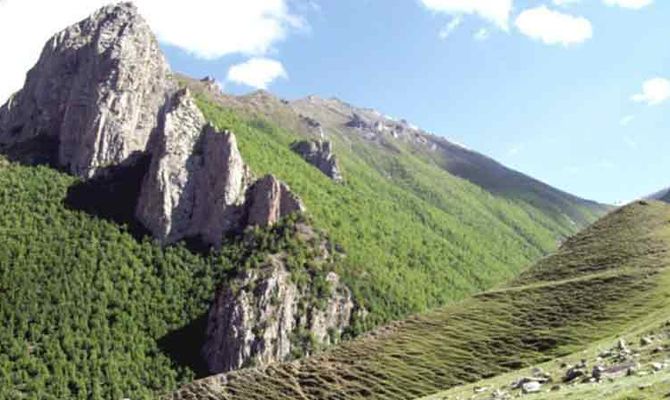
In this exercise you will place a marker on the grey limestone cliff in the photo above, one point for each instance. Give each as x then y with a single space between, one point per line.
96 91
264 316
319 153
197 179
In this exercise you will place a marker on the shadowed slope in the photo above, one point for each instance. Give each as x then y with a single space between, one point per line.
546 313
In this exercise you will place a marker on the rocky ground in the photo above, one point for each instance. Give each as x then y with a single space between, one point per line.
637 367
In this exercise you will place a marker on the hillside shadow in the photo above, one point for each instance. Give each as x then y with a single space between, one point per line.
184 344
113 195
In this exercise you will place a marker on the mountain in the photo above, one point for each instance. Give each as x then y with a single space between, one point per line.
156 230
662 195
602 297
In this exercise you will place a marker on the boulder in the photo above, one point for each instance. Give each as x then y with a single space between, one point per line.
531 387
95 92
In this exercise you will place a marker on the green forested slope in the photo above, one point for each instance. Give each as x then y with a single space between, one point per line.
90 312
416 236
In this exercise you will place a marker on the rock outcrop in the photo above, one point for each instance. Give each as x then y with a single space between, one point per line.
269 200
198 185
263 316
96 91
197 179
319 153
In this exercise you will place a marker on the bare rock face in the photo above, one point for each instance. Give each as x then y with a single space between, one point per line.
197 179
264 317
319 153
269 200
96 90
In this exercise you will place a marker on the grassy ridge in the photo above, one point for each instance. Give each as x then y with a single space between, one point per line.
416 237
527 322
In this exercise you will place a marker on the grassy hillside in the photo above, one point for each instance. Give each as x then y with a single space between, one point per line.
416 236
372 130
608 281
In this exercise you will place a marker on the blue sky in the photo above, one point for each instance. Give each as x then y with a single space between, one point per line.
546 87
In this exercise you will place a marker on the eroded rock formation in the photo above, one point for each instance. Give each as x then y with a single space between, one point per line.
96 91
197 179
319 153
269 200
264 316
102 93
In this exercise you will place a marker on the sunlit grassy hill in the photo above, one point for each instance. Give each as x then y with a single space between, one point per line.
609 281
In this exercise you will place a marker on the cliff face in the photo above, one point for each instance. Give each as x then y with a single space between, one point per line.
197 179
96 91
264 316
319 153
269 200
102 93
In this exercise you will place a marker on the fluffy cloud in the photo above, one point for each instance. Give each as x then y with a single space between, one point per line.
481 35
205 28
632 4
654 91
449 28
553 27
257 72
566 2
495 11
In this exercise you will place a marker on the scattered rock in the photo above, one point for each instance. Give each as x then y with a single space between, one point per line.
531 387
575 372
646 341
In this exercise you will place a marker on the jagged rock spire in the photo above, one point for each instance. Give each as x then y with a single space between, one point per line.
96 91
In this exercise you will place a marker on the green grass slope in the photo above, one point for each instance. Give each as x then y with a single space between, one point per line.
606 281
416 236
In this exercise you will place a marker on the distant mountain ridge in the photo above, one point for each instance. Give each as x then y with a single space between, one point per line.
319 117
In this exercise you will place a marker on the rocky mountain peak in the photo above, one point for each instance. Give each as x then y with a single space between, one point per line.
96 92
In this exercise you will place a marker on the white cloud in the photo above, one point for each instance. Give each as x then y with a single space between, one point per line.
566 2
495 11
205 28
482 35
553 27
625 121
632 4
257 72
654 91
449 28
